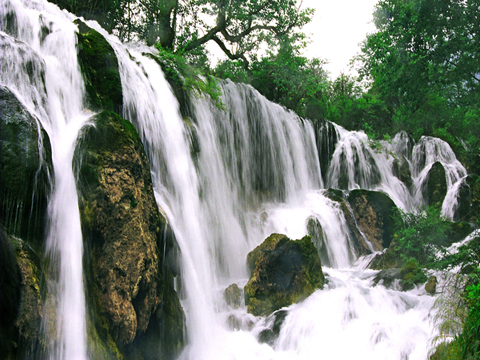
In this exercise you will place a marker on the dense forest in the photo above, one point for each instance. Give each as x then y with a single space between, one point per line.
418 72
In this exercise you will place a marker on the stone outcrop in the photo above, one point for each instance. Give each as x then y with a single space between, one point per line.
469 200
127 276
434 188
26 168
375 215
285 272
326 138
401 170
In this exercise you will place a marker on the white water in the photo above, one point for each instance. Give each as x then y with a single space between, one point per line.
256 172
57 103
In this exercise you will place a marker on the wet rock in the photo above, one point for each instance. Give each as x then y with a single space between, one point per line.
29 321
10 291
434 188
315 231
411 274
431 285
284 273
233 296
401 170
388 278
374 213
326 138
359 241
469 200
128 278
269 336
99 66
26 168
269 244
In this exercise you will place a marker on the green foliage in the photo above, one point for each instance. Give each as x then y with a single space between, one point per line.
458 309
422 64
420 236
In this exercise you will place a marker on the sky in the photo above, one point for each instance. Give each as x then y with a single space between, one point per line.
337 29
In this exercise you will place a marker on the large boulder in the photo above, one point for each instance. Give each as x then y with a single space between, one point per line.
375 215
434 187
99 66
284 273
25 171
129 281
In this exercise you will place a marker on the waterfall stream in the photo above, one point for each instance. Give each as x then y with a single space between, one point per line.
226 179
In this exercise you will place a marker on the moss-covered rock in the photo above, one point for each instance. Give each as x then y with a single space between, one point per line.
99 66
434 187
130 286
374 213
284 273
25 171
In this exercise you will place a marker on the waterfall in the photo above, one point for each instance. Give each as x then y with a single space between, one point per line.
226 178
44 74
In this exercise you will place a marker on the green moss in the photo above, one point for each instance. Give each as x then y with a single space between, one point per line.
99 66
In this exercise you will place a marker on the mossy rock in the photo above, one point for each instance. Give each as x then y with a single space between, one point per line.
283 275
25 171
375 215
388 278
129 282
99 65
434 188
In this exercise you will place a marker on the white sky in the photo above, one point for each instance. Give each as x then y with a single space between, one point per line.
337 29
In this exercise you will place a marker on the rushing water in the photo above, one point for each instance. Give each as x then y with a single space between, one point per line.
226 180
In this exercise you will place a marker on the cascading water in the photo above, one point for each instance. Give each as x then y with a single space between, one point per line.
39 64
226 179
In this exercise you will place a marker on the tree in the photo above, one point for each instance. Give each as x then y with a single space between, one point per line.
424 62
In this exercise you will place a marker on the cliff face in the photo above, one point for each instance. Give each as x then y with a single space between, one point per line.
124 234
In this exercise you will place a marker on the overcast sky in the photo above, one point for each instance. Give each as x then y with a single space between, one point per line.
337 29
